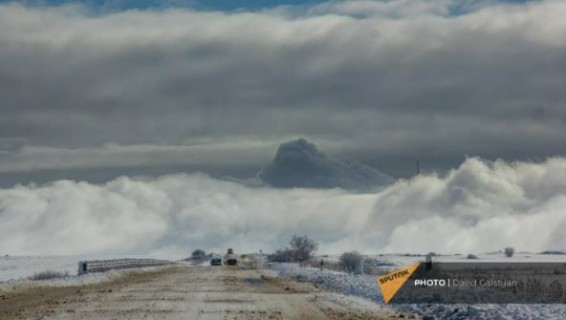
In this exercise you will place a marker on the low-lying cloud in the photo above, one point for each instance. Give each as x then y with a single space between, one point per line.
481 206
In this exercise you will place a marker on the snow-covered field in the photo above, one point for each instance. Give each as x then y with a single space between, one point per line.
401 260
14 268
22 267
365 286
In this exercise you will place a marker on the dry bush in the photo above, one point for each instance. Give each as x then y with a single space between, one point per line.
48 275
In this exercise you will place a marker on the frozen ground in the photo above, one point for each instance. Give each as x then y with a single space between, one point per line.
191 292
22 267
13 269
365 286
406 259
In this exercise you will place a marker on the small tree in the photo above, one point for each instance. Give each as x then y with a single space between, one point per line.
303 247
351 261
198 254
509 251
282 255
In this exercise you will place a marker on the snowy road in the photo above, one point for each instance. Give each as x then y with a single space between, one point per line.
185 292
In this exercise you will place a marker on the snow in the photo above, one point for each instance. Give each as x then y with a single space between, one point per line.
358 285
13 268
366 287
17 268
407 259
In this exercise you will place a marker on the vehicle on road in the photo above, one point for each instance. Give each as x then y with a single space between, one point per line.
230 258
216 261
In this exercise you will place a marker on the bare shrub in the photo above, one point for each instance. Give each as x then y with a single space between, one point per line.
375 266
48 275
303 247
282 255
556 252
509 251
198 254
351 261
301 250
328 265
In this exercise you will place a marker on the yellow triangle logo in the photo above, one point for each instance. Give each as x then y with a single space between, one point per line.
392 282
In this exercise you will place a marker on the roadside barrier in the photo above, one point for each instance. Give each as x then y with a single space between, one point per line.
113 264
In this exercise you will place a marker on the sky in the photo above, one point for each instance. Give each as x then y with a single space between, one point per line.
233 5
86 92
202 94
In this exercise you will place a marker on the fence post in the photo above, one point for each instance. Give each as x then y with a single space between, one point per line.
83 268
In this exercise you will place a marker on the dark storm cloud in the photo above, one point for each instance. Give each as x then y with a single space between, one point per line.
300 164
405 80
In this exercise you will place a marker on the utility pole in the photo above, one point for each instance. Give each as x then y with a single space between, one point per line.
260 259
418 167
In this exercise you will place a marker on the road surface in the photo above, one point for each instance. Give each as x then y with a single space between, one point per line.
192 293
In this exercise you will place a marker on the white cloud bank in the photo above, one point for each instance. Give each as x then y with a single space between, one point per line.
478 207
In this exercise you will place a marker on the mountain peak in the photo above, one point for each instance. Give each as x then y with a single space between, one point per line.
300 164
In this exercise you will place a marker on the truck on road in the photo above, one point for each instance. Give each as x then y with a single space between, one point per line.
230 258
